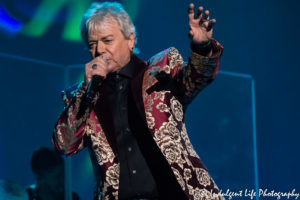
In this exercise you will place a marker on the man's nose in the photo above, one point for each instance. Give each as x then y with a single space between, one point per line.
100 48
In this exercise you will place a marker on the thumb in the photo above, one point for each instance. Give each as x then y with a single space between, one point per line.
191 34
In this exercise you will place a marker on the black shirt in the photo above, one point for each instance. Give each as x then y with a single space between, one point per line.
144 171
136 180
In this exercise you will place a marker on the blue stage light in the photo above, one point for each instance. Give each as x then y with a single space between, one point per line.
8 24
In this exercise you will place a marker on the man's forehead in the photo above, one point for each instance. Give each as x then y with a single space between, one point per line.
103 29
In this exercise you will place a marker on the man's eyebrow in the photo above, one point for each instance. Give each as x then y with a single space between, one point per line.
103 38
91 41
107 36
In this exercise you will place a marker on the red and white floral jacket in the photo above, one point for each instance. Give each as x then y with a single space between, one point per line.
164 115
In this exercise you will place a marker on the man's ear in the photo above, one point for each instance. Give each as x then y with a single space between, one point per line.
131 41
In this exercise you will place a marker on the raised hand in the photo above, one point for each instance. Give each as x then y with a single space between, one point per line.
201 27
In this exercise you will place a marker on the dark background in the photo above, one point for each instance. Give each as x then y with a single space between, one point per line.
260 39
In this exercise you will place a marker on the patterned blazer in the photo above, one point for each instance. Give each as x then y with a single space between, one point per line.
162 87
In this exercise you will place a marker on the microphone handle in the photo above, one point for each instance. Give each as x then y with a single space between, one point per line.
95 83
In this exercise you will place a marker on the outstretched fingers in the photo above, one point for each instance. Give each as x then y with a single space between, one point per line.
206 16
200 24
199 12
210 24
191 12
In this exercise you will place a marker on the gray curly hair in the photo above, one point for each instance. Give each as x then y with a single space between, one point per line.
102 12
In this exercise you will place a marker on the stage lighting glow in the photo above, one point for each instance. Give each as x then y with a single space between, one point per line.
8 24
47 12
48 9
131 6
71 30
80 77
86 168
43 17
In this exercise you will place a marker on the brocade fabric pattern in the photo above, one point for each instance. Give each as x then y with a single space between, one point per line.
164 113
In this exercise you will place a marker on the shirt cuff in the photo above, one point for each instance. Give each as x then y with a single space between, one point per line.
202 48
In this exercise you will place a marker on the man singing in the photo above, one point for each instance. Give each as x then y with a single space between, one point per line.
130 113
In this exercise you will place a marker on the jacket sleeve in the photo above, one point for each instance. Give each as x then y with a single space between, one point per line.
69 131
197 73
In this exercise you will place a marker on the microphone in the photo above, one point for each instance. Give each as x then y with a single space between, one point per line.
95 83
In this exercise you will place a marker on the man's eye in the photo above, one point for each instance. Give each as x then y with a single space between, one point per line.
91 46
107 41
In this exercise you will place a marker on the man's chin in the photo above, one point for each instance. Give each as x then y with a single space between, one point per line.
115 69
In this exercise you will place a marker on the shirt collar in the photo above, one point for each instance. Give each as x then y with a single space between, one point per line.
128 69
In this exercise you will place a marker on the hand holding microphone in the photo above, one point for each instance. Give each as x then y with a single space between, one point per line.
97 66
95 73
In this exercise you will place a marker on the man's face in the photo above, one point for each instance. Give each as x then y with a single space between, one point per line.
108 41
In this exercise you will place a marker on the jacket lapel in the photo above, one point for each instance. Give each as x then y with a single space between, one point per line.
104 114
137 84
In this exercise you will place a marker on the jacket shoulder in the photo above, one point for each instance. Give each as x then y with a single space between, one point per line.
164 56
165 60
